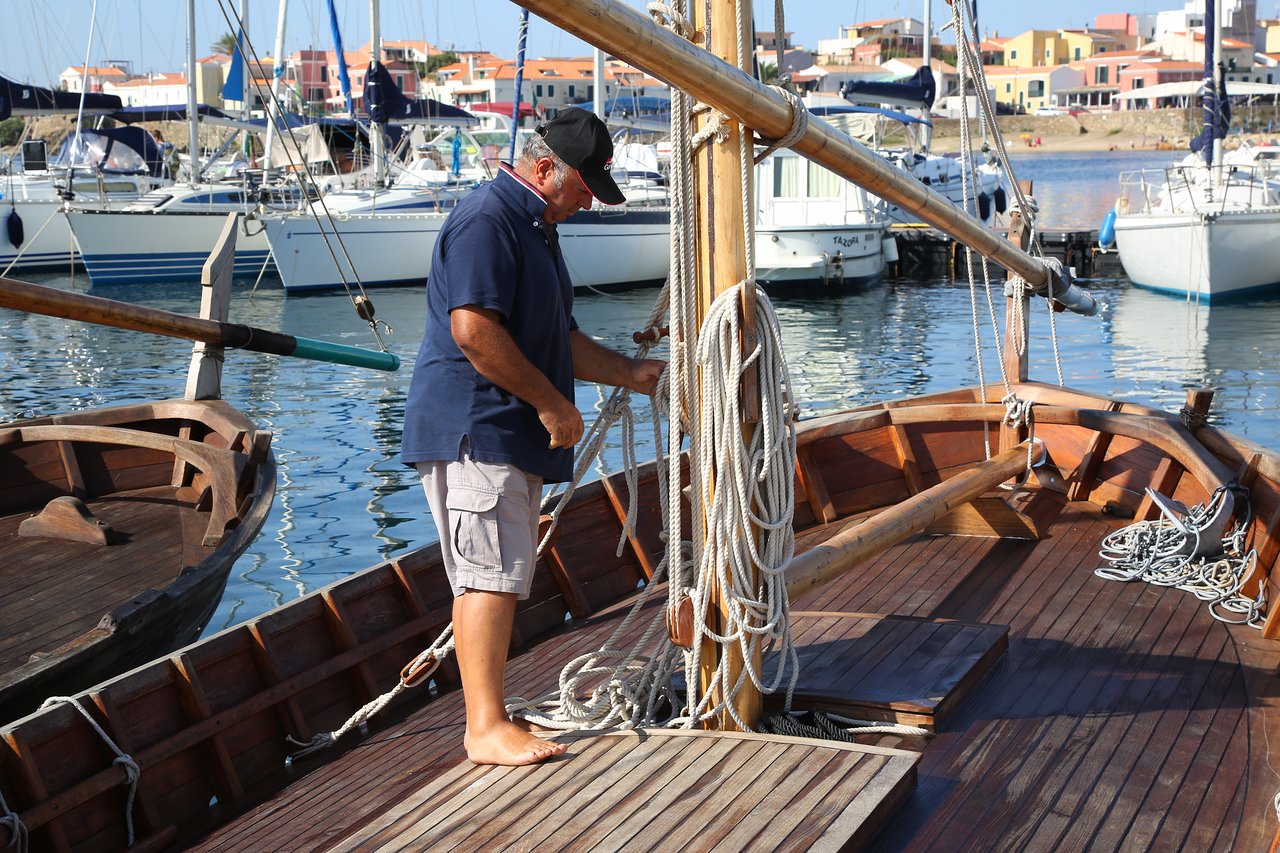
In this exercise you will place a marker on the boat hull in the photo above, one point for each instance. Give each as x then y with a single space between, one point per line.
1205 256
48 242
138 247
602 249
832 255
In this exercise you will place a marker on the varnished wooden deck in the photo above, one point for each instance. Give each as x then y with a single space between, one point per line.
1122 716
84 580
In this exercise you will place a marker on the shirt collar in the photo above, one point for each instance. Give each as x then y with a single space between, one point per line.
522 193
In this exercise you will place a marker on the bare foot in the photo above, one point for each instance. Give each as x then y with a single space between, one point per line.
529 726
508 744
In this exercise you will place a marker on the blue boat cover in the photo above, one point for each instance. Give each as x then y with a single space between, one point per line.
637 104
1215 104
24 99
919 88
385 103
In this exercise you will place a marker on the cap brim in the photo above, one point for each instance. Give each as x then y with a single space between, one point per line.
603 187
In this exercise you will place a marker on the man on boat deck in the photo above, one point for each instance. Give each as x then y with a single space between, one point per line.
491 415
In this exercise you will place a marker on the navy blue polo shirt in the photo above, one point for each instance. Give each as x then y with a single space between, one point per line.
493 252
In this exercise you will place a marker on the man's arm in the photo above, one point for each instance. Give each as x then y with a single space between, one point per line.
593 362
487 344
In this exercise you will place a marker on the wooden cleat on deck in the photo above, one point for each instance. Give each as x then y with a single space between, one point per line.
69 519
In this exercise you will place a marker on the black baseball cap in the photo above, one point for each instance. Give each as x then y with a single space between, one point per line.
581 140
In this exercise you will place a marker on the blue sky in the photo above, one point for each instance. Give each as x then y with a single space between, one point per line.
39 38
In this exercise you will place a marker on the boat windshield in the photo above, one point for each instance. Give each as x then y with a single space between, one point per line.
100 152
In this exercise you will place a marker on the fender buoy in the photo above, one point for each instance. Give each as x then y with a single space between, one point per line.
1107 233
16 235
984 206
1002 201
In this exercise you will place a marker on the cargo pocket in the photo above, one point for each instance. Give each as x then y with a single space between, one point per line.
474 515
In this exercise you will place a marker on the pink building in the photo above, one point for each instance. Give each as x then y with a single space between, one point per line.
1118 22
315 75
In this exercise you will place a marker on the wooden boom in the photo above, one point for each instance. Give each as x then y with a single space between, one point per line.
627 34
38 299
845 550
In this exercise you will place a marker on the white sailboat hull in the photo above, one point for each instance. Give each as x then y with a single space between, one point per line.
47 241
385 248
602 249
1205 255
120 247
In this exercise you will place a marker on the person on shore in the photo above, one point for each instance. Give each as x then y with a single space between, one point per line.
490 414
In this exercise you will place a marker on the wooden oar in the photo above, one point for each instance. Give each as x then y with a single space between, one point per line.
38 299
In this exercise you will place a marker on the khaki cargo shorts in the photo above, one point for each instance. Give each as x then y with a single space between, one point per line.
487 515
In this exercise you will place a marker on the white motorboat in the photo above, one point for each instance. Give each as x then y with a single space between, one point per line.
814 227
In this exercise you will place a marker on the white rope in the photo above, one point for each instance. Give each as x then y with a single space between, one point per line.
131 770
861 727
746 493
418 671
1161 553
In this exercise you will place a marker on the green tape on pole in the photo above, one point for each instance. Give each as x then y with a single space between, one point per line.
343 354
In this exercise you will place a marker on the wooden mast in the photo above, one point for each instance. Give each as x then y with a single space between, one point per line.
721 263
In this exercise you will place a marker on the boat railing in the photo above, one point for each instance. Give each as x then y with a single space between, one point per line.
1183 189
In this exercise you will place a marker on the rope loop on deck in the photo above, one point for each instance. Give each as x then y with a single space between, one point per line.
132 772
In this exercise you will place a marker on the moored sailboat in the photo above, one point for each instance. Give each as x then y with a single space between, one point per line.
1201 228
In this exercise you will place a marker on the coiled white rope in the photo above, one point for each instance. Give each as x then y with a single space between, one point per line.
1160 553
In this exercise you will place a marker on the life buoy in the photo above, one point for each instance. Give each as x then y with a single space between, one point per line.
984 206
1002 201
16 235
1107 233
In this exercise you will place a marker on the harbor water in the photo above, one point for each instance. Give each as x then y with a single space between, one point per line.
344 501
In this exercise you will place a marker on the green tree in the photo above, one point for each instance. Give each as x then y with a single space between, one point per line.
225 45
10 131
768 72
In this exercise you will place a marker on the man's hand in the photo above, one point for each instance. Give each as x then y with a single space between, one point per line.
563 422
645 374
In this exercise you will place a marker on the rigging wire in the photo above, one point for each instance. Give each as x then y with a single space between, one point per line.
359 299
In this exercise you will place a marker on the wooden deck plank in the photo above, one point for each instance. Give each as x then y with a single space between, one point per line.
600 816
659 776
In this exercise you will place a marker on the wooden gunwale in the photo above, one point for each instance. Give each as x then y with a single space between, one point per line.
948 577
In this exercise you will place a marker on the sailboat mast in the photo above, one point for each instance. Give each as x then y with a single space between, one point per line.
926 54
1219 85
375 131
722 264
277 81
193 130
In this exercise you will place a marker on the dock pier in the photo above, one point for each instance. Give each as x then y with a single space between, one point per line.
925 251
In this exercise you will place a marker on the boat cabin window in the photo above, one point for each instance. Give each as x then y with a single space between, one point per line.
823 183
